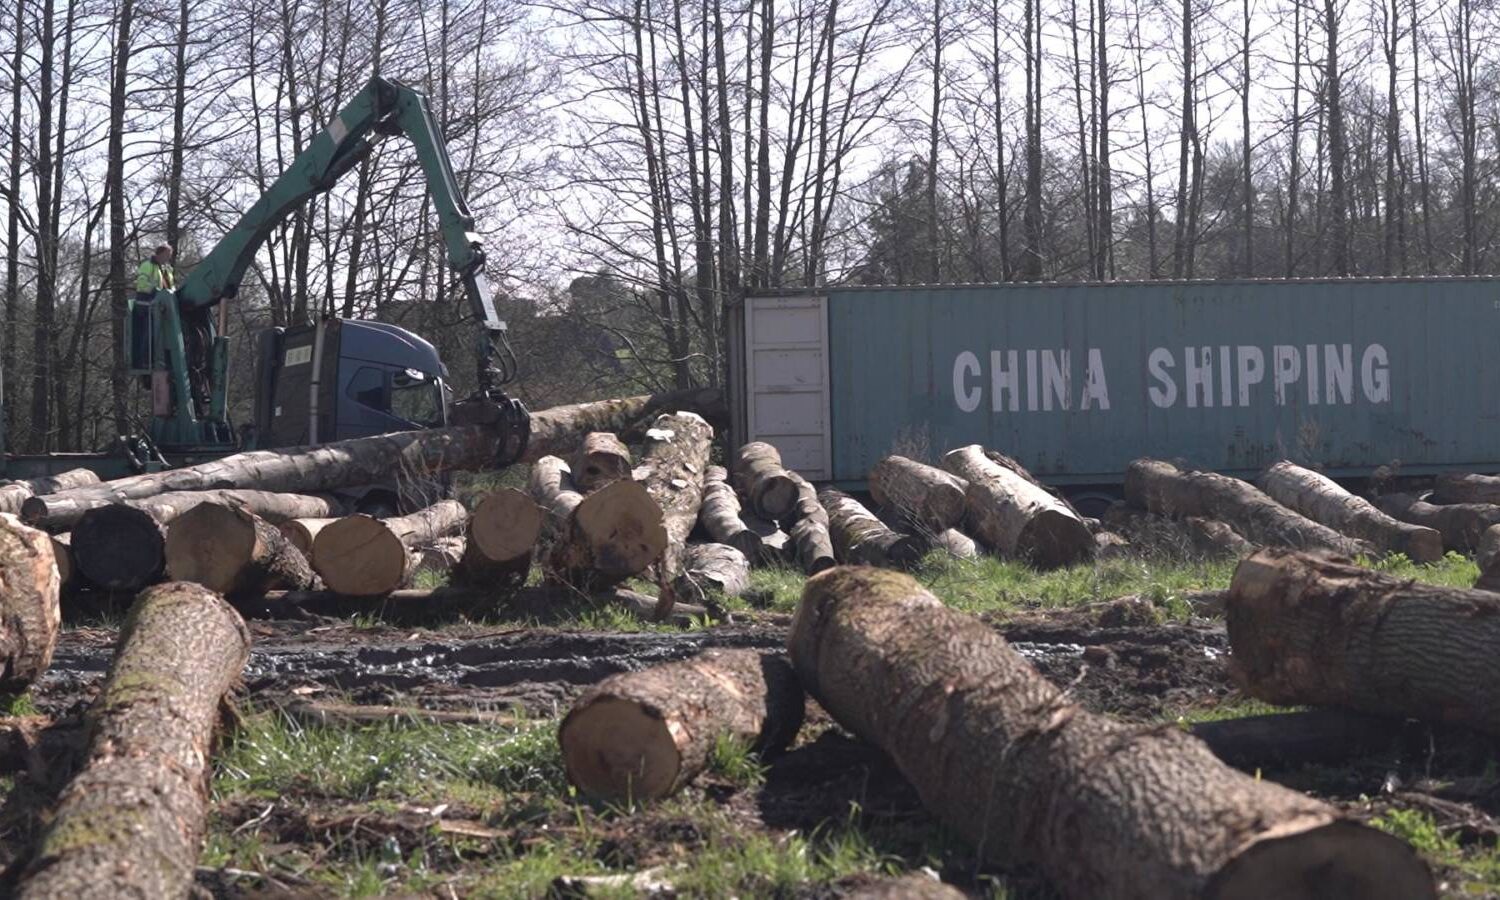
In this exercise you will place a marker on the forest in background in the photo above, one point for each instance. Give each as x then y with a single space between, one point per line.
636 166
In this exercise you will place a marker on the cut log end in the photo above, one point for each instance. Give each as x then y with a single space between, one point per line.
118 547
617 748
210 545
1338 859
1055 538
623 528
360 557
505 525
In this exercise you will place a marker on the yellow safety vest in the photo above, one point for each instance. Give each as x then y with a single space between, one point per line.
151 278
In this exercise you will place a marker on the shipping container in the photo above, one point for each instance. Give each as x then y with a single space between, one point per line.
1076 380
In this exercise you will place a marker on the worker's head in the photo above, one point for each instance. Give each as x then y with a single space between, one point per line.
163 253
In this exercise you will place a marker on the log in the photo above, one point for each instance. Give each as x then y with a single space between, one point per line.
1214 538
551 485
233 552
1488 559
924 497
956 544
1461 524
644 735
302 532
131 822
441 556
1015 517
1461 487
1311 629
721 517
30 605
1108 545
612 534
763 481
369 460
274 508
1102 808
62 554
1166 490
503 530
807 505
119 547
1289 740
1323 500
814 545
674 461
860 537
601 458
14 494
713 569
364 556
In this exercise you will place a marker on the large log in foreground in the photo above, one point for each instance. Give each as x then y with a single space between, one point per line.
1015 516
234 552
131 823
1104 809
1166 490
922 496
1461 524
643 735
367 460
30 608
1311 629
1322 500
18 492
364 556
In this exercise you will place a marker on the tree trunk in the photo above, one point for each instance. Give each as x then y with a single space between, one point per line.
720 515
859 537
442 556
814 545
601 458
644 735
271 506
807 505
503 531
551 485
30 607
1488 559
1322 500
362 556
1458 487
1103 809
713 569
927 498
1162 488
763 482
1290 740
62 554
302 532
1308 629
1016 517
611 535
14 494
1461 524
956 544
366 460
673 463
234 552
1214 538
131 822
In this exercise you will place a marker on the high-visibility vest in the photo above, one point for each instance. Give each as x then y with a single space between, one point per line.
151 278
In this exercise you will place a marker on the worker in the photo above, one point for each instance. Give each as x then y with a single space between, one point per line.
155 274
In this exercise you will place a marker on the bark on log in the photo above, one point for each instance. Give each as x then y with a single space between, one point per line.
1459 487
814 545
62 554
1016 517
612 534
1311 629
674 461
18 492
1162 488
644 735
30 606
119 547
363 556
1323 500
1289 740
274 508
721 517
922 496
233 552
368 460
440 557
601 458
1488 559
1461 524
807 505
302 533
1104 809
503 532
551 485
956 544
712 569
762 480
1214 538
131 823
859 537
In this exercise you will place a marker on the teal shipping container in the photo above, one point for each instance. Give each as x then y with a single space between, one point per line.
1075 381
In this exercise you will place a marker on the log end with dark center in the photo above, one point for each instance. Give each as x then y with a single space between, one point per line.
118 547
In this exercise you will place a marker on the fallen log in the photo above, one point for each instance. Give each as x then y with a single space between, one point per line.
233 552
1015 517
62 554
1322 500
1315 630
302 532
131 822
1460 487
644 735
1487 554
30 603
551 486
1214 538
503 531
14 494
440 557
368 460
1162 488
674 461
814 545
612 534
807 505
859 537
711 569
924 497
1289 740
364 556
763 481
601 458
721 517
1108 545
1102 808
956 544
1461 524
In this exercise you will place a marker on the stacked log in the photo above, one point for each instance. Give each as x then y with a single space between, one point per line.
302 532
62 554
1017 518
860 537
956 544
600 459
443 556
502 532
14 494
1487 556
233 552
551 485
673 463
1322 500
644 735
765 484
922 496
711 569
1458 487
721 516
814 545
363 556
611 535
131 822
1104 809
1461 524
30 606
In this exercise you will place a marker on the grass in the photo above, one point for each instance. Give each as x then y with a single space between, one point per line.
1474 867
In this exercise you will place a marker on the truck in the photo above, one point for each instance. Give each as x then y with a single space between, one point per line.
1350 376
314 382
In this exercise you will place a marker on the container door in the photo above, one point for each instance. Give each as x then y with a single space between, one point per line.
786 369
